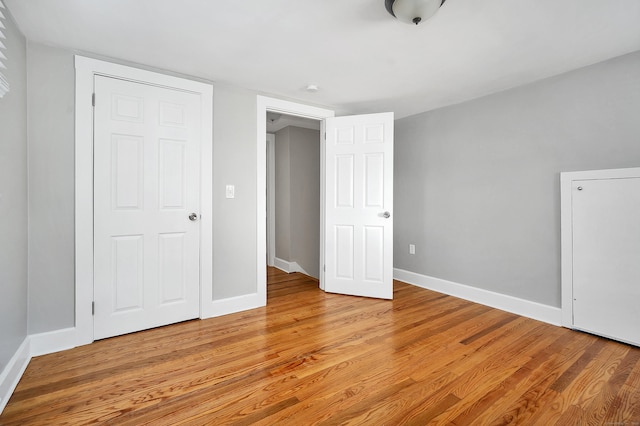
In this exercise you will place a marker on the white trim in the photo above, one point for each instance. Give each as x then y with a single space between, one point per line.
86 69
271 201
566 232
13 371
566 250
32 345
235 304
283 265
206 201
53 341
84 201
323 200
525 308
289 267
264 104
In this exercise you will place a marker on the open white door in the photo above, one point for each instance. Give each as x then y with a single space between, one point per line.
358 205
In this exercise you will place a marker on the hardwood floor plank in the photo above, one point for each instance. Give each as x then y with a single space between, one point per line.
506 320
473 384
572 372
497 396
611 394
546 361
598 372
311 357
542 394
627 399
431 412
529 393
364 406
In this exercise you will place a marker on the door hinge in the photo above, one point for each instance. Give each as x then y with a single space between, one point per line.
93 308
325 136
324 268
93 99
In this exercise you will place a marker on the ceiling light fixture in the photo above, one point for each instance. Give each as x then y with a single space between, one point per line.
273 116
413 11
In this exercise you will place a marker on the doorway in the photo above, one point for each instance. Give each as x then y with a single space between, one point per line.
293 194
356 244
279 106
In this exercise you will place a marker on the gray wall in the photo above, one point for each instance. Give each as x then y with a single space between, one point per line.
298 197
282 193
305 199
51 189
477 184
13 197
234 220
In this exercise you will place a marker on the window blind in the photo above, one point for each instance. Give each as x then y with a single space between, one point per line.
4 84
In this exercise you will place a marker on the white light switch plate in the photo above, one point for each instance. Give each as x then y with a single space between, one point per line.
231 191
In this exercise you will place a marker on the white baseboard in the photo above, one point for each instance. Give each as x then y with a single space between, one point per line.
53 341
232 305
525 308
12 372
288 267
283 265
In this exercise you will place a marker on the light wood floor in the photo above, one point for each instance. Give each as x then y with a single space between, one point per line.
316 358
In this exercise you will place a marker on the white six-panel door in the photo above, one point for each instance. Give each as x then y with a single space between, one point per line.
358 205
146 185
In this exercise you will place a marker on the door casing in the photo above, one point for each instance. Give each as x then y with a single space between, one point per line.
271 199
265 104
86 69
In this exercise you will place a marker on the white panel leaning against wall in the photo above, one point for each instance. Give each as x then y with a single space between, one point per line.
4 84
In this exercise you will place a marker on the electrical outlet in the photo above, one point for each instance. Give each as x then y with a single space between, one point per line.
231 191
412 249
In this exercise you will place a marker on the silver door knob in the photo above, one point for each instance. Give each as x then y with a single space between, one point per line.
193 217
386 215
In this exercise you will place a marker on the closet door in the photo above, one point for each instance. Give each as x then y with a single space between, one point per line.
606 257
146 206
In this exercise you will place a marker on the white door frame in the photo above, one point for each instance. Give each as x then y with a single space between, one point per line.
86 69
265 104
566 229
271 200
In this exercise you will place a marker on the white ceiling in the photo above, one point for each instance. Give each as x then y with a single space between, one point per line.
362 59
